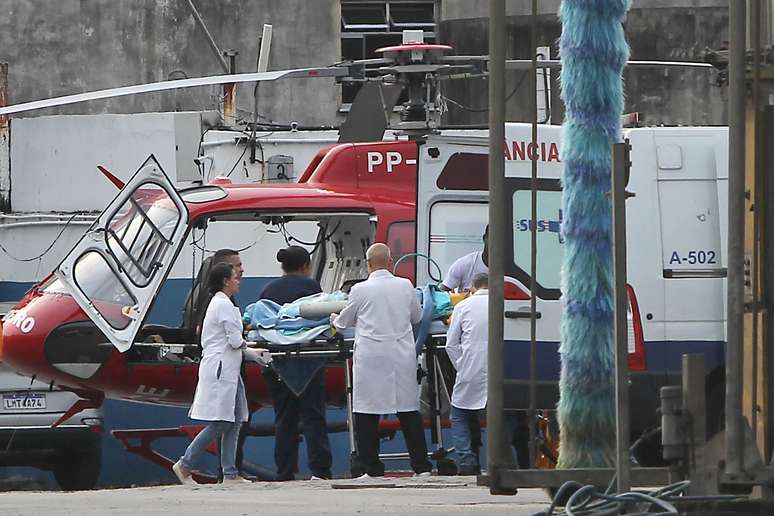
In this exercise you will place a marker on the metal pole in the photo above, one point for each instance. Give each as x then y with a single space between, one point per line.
496 444
695 410
618 188
264 48
437 408
767 277
210 39
229 91
736 202
533 233
5 145
755 25
350 415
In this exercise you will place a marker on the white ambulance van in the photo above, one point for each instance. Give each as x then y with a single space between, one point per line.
676 241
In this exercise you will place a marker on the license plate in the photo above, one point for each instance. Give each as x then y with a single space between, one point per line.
24 401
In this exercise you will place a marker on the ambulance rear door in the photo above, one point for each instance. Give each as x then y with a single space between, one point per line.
452 212
692 178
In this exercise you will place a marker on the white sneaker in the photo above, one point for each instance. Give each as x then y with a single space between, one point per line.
424 474
182 474
315 477
364 476
237 480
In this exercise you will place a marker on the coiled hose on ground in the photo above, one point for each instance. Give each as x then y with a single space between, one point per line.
588 501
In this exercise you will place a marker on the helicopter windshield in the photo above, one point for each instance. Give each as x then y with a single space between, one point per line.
139 233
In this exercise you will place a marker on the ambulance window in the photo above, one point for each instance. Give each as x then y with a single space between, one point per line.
400 238
465 171
456 229
103 288
550 242
138 234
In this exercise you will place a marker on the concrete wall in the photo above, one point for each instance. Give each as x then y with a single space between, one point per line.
54 158
70 46
656 29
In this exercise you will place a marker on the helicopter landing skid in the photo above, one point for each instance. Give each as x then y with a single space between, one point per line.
140 442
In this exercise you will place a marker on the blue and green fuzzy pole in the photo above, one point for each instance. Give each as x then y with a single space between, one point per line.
593 52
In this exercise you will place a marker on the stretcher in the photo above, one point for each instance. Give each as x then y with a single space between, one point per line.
336 346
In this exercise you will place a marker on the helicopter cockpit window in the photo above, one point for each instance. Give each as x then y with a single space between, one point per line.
203 194
103 288
139 233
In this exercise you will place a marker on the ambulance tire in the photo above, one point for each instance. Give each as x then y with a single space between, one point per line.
79 471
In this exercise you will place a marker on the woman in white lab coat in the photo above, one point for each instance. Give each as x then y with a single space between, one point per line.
220 393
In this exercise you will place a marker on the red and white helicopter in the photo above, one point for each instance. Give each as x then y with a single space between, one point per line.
85 327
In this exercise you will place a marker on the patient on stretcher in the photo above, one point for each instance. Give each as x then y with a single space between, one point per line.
307 318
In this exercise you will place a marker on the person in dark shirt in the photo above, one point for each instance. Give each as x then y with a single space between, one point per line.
199 297
294 284
309 404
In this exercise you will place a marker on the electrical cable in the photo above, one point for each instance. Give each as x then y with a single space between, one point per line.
484 110
41 255
205 250
586 500
247 146
238 160
290 238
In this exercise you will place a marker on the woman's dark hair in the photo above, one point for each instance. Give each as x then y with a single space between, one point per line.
219 273
293 258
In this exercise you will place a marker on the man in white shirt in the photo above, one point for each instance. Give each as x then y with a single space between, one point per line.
382 309
465 268
466 346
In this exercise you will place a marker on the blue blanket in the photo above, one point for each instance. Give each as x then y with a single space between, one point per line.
282 324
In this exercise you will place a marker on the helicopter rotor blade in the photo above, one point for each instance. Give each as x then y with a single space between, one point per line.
342 71
369 114
526 64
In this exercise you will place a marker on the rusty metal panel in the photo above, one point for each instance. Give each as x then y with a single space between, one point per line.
5 154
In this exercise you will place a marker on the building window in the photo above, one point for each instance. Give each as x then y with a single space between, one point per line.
368 25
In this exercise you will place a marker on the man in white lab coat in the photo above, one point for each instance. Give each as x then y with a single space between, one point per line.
466 346
382 310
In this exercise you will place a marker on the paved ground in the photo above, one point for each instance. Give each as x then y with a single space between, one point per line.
435 495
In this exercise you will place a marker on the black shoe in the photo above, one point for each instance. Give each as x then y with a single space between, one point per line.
469 470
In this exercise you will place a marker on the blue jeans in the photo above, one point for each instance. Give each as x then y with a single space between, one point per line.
466 435
224 431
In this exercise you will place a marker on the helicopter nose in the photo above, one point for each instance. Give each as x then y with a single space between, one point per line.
19 346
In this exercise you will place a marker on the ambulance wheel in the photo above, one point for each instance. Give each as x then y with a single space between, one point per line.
446 467
79 471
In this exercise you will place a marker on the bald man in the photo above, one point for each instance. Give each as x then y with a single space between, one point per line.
382 310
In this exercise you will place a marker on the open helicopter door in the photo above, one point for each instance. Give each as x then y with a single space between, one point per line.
118 266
